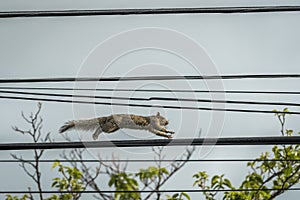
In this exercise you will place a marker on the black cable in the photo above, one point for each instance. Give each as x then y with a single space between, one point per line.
149 191
156 142
152 160
147 78
148 11
152 98
150 90
146 106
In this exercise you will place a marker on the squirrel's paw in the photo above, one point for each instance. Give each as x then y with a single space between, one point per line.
169 136
95 136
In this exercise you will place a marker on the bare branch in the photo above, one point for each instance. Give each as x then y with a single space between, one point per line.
47 138
36 135
31 175
34 117
25 118
21 131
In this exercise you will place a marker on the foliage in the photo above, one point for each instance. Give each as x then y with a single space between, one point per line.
69 185
124 182
270 175
10 197
178 196
216 183
149 177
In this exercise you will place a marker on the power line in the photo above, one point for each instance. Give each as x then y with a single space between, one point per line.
149 191
152 98
153 78
151 90
147 106
150 160
147 11
156 142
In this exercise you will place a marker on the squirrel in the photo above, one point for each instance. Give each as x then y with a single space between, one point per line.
108 124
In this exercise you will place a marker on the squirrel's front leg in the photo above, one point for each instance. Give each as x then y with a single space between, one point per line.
157 126
160 133
166 130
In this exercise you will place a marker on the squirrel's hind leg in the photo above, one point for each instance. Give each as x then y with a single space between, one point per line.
110 127
97 133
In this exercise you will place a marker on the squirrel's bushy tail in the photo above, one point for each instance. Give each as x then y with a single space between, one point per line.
87 125
67 126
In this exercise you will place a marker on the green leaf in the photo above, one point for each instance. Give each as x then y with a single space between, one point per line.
186 195
175 195
289 132
55 164
228 183
215 180
112 181
54 183
275 111
165 171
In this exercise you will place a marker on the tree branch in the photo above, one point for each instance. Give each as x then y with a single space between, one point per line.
283 188
175 166
35 133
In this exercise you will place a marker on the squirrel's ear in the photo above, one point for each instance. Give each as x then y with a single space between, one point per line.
158 114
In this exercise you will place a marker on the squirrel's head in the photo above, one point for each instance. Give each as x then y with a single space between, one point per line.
163 121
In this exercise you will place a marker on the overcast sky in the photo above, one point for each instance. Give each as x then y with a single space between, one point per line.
195 44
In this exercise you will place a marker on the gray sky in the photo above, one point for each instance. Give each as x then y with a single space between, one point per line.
81 46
